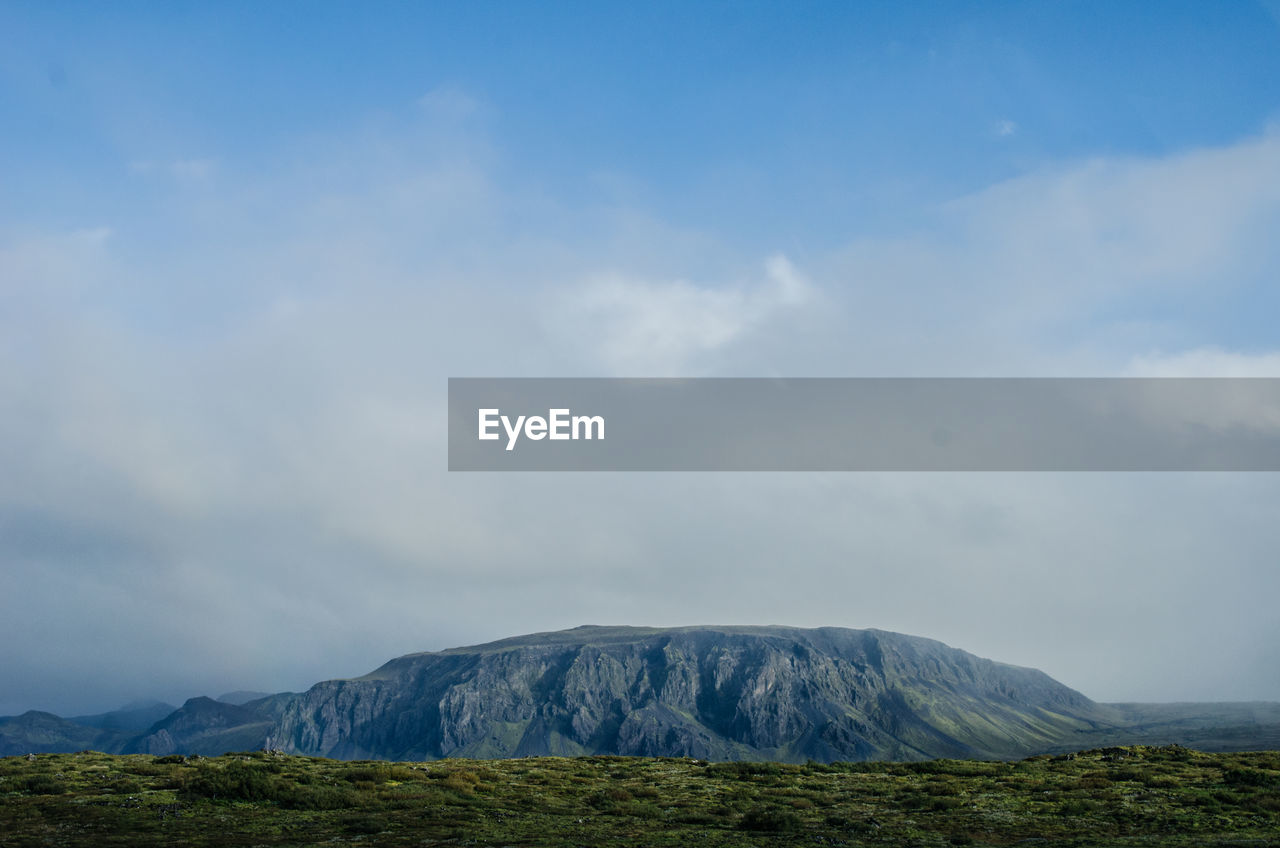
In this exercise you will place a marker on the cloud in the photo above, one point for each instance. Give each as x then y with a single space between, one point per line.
1231 406
1205 362
642 327
450 103
221 424
1104 257
1005 128
1110 226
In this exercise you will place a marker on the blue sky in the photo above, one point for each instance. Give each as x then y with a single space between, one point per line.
242 246
741 118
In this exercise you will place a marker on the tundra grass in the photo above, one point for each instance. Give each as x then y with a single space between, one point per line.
1132 796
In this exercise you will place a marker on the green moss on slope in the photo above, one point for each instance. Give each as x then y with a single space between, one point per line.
1113 796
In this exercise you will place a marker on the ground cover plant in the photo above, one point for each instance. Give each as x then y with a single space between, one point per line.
1127 796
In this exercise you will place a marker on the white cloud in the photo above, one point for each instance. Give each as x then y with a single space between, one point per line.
1205 362
450 103
280 468
38 269
1083 264
1122 224
641 327
1233 405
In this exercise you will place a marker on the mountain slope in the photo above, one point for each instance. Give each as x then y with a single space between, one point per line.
35 732
723 693
708 692
204 726
132 717
1230 726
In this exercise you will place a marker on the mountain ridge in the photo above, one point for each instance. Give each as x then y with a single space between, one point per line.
716 692
701 691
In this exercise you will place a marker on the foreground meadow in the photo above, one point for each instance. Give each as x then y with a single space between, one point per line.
1115 796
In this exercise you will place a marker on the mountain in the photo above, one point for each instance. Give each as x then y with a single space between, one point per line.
203 726
240 697
1240 726
709 692
134 716
722 693
35 732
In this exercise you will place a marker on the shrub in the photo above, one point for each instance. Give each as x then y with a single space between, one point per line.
1250 777
366 775
769 820
1126 773
1076 807
1093 783
746 770
244 781
942 787
236 781
292 797
462 782
40 784
365 825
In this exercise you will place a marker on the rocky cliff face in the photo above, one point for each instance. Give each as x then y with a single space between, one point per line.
709 692
203 726
712 693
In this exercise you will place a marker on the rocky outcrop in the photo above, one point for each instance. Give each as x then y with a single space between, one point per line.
764 693
717 693
204 726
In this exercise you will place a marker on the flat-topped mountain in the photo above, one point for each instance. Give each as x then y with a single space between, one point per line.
723 693
709 692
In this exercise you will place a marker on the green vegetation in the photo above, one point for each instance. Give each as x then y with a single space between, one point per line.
1107 797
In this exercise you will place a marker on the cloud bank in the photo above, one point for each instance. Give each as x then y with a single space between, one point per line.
221 420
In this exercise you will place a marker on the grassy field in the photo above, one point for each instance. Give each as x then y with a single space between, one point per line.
1114 796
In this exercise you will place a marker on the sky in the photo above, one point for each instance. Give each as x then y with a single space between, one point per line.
243 246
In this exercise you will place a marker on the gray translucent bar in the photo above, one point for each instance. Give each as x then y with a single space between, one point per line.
868 424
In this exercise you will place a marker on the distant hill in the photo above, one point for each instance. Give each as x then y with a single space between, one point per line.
1240 726
203 726
716 693
135 716
35 732
240 697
